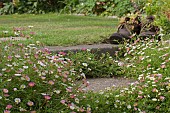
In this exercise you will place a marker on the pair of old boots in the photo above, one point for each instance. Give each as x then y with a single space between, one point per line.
126 31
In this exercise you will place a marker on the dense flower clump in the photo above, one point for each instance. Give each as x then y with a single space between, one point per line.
149 62
147 57
92 65
34 80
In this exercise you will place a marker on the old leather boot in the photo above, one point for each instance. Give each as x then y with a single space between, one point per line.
123 33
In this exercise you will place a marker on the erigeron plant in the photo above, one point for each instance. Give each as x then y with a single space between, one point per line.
34 80
92 65
149 93
149 62
146 57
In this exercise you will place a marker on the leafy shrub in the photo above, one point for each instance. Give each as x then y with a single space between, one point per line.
92 65
102 7
122 7
85 7
33 6
34 80
8 8
29 7
70 6
160 9
39 6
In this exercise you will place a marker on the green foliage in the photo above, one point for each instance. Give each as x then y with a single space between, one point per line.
69 6
29 7
122 7
34 80
39 6
146 57
149 62
8 8
35 6
149 93
139 5
91 65
164 23
160 9
85 7
102 7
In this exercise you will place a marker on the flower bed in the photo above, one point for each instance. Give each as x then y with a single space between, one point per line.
34 80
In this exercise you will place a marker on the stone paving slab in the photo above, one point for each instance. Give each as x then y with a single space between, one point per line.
96 48
98 84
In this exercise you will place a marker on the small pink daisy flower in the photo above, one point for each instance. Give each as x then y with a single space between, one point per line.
51 82
162 98
31 84
63 101
30 103
9 106
5 90
163 66
47 97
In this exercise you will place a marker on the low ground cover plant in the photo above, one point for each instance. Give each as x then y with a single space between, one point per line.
148 94
93 65
148 61
34 80
147 56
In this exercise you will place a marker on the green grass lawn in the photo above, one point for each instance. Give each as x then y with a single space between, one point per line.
53 29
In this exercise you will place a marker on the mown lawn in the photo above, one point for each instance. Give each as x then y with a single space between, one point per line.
53 29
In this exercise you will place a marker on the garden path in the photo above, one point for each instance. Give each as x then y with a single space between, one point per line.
97 84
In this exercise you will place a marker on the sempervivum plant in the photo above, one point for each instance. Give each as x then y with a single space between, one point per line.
34 80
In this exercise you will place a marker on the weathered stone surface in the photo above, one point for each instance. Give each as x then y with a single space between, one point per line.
12 38
98 84
96 48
